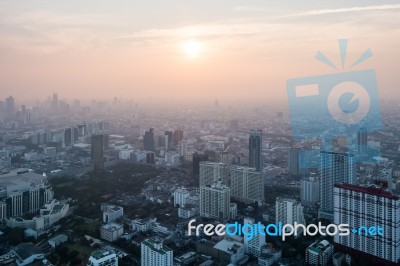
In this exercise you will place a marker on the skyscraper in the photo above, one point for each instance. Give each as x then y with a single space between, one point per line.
255 149
155 253
178 136
148 140
197 158
10 107
247 184
215 201
362 207
183 148
362 139
335 168
97 151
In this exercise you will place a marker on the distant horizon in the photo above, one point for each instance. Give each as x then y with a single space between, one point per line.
189 52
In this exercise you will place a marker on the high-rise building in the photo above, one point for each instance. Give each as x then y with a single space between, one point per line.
150 158
148 140
97 151
211 172
335 168
23 193
254 245
155 253
183 148
168 135
102 257
294 163
309 191
178 136
215 201
319 253
362 207
288 211
255 149
247 184
197 158
10 107
362 140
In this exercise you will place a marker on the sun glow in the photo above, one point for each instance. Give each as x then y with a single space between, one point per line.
193 48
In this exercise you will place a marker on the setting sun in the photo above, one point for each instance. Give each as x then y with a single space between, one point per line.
193 48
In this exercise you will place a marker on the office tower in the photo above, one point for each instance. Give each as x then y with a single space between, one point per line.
288 211
178 136
212 172
168 139
335 168
294 162
10 107
55 102
102 257
68 136
362 207
247 184
362 139
215 201
155 253
150 158
97 151
183 148
319 253
253 246
255 149
148 140
309 191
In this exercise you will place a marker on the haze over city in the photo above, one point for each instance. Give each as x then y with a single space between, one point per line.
235 51
199 133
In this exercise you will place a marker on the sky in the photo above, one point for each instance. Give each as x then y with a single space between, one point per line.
138 49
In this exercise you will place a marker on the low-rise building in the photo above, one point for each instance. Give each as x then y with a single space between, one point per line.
103 257
319 253
111 231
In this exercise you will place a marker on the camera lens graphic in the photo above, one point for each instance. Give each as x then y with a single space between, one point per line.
348 102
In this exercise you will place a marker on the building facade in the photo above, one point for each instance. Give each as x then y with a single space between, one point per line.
247 184
335 168
215 201
368 206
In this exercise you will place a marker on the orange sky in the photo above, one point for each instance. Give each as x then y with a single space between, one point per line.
133 51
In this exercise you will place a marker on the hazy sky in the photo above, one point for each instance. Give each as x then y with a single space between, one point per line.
136 49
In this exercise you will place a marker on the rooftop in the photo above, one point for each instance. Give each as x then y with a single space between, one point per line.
373 190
